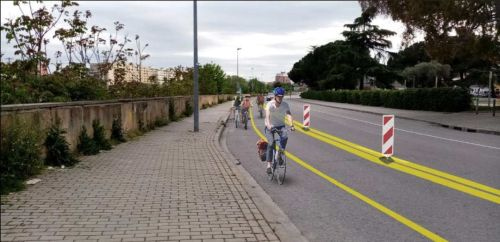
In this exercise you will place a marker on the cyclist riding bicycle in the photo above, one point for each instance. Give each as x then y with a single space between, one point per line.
260 103
276 111
236 104
260 99
245 106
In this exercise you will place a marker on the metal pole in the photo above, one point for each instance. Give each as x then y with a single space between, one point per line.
494 106
477 101
195 74
238 70
489 87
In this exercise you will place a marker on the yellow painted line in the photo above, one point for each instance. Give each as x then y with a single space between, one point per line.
414 165
423 231
374 157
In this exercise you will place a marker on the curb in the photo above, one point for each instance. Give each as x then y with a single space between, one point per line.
281 225
459 128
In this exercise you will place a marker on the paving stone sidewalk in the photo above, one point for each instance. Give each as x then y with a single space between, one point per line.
169 185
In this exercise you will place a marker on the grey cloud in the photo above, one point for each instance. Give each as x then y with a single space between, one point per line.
273 17
168 28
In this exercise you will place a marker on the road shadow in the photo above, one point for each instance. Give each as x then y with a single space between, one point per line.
386 160
289 181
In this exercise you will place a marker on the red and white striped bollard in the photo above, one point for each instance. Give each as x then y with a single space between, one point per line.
388 135
307 116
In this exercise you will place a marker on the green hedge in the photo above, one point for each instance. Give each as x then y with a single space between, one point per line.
431 99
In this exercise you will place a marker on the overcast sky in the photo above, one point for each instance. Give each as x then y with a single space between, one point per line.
272 35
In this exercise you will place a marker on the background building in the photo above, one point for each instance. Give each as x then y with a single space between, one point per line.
282 77
132 72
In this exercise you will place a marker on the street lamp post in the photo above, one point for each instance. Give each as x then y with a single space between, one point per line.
195 71
237 69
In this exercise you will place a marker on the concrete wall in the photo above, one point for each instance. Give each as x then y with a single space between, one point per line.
74 115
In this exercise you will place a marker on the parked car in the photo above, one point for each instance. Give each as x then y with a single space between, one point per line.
479 91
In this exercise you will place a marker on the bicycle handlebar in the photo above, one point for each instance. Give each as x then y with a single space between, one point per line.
288 128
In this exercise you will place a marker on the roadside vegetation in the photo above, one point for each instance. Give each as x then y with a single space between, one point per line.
460 49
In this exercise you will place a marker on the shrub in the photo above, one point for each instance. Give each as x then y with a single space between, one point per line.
20 155
189 109
100 136
171 110
142 126
58 152
151 125
86 145
432 99
117 130
161 121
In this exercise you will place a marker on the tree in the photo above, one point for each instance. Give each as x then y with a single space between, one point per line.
450 26
365 37
181 83
211 79
336 65
408 57
231 84
75 44
256 86
425 74
139 56
314 66
29 30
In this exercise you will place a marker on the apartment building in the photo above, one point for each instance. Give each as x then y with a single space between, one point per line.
132 72
282 77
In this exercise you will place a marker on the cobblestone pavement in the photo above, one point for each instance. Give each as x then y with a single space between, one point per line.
169 185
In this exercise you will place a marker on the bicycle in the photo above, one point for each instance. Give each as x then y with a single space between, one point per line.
244 114
261 110
236 116
278 162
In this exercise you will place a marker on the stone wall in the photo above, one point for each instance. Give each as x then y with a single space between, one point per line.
74 115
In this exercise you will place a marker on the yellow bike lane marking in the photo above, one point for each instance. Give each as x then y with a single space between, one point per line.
433 175
418 228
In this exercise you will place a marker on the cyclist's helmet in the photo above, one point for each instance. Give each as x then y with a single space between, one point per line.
279 91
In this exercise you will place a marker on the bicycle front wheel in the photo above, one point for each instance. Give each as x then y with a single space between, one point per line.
273 168
281 169
245 119
236 119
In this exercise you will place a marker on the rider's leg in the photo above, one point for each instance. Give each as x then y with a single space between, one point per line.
269 151
283 138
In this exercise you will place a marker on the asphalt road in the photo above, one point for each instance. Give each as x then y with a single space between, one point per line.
324 211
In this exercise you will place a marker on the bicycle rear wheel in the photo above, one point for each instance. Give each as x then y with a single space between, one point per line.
245 119
236 118
281 169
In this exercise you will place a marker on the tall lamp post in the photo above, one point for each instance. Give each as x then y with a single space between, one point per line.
238 70
195 71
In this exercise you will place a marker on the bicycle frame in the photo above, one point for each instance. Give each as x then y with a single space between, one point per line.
236 116
275 152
